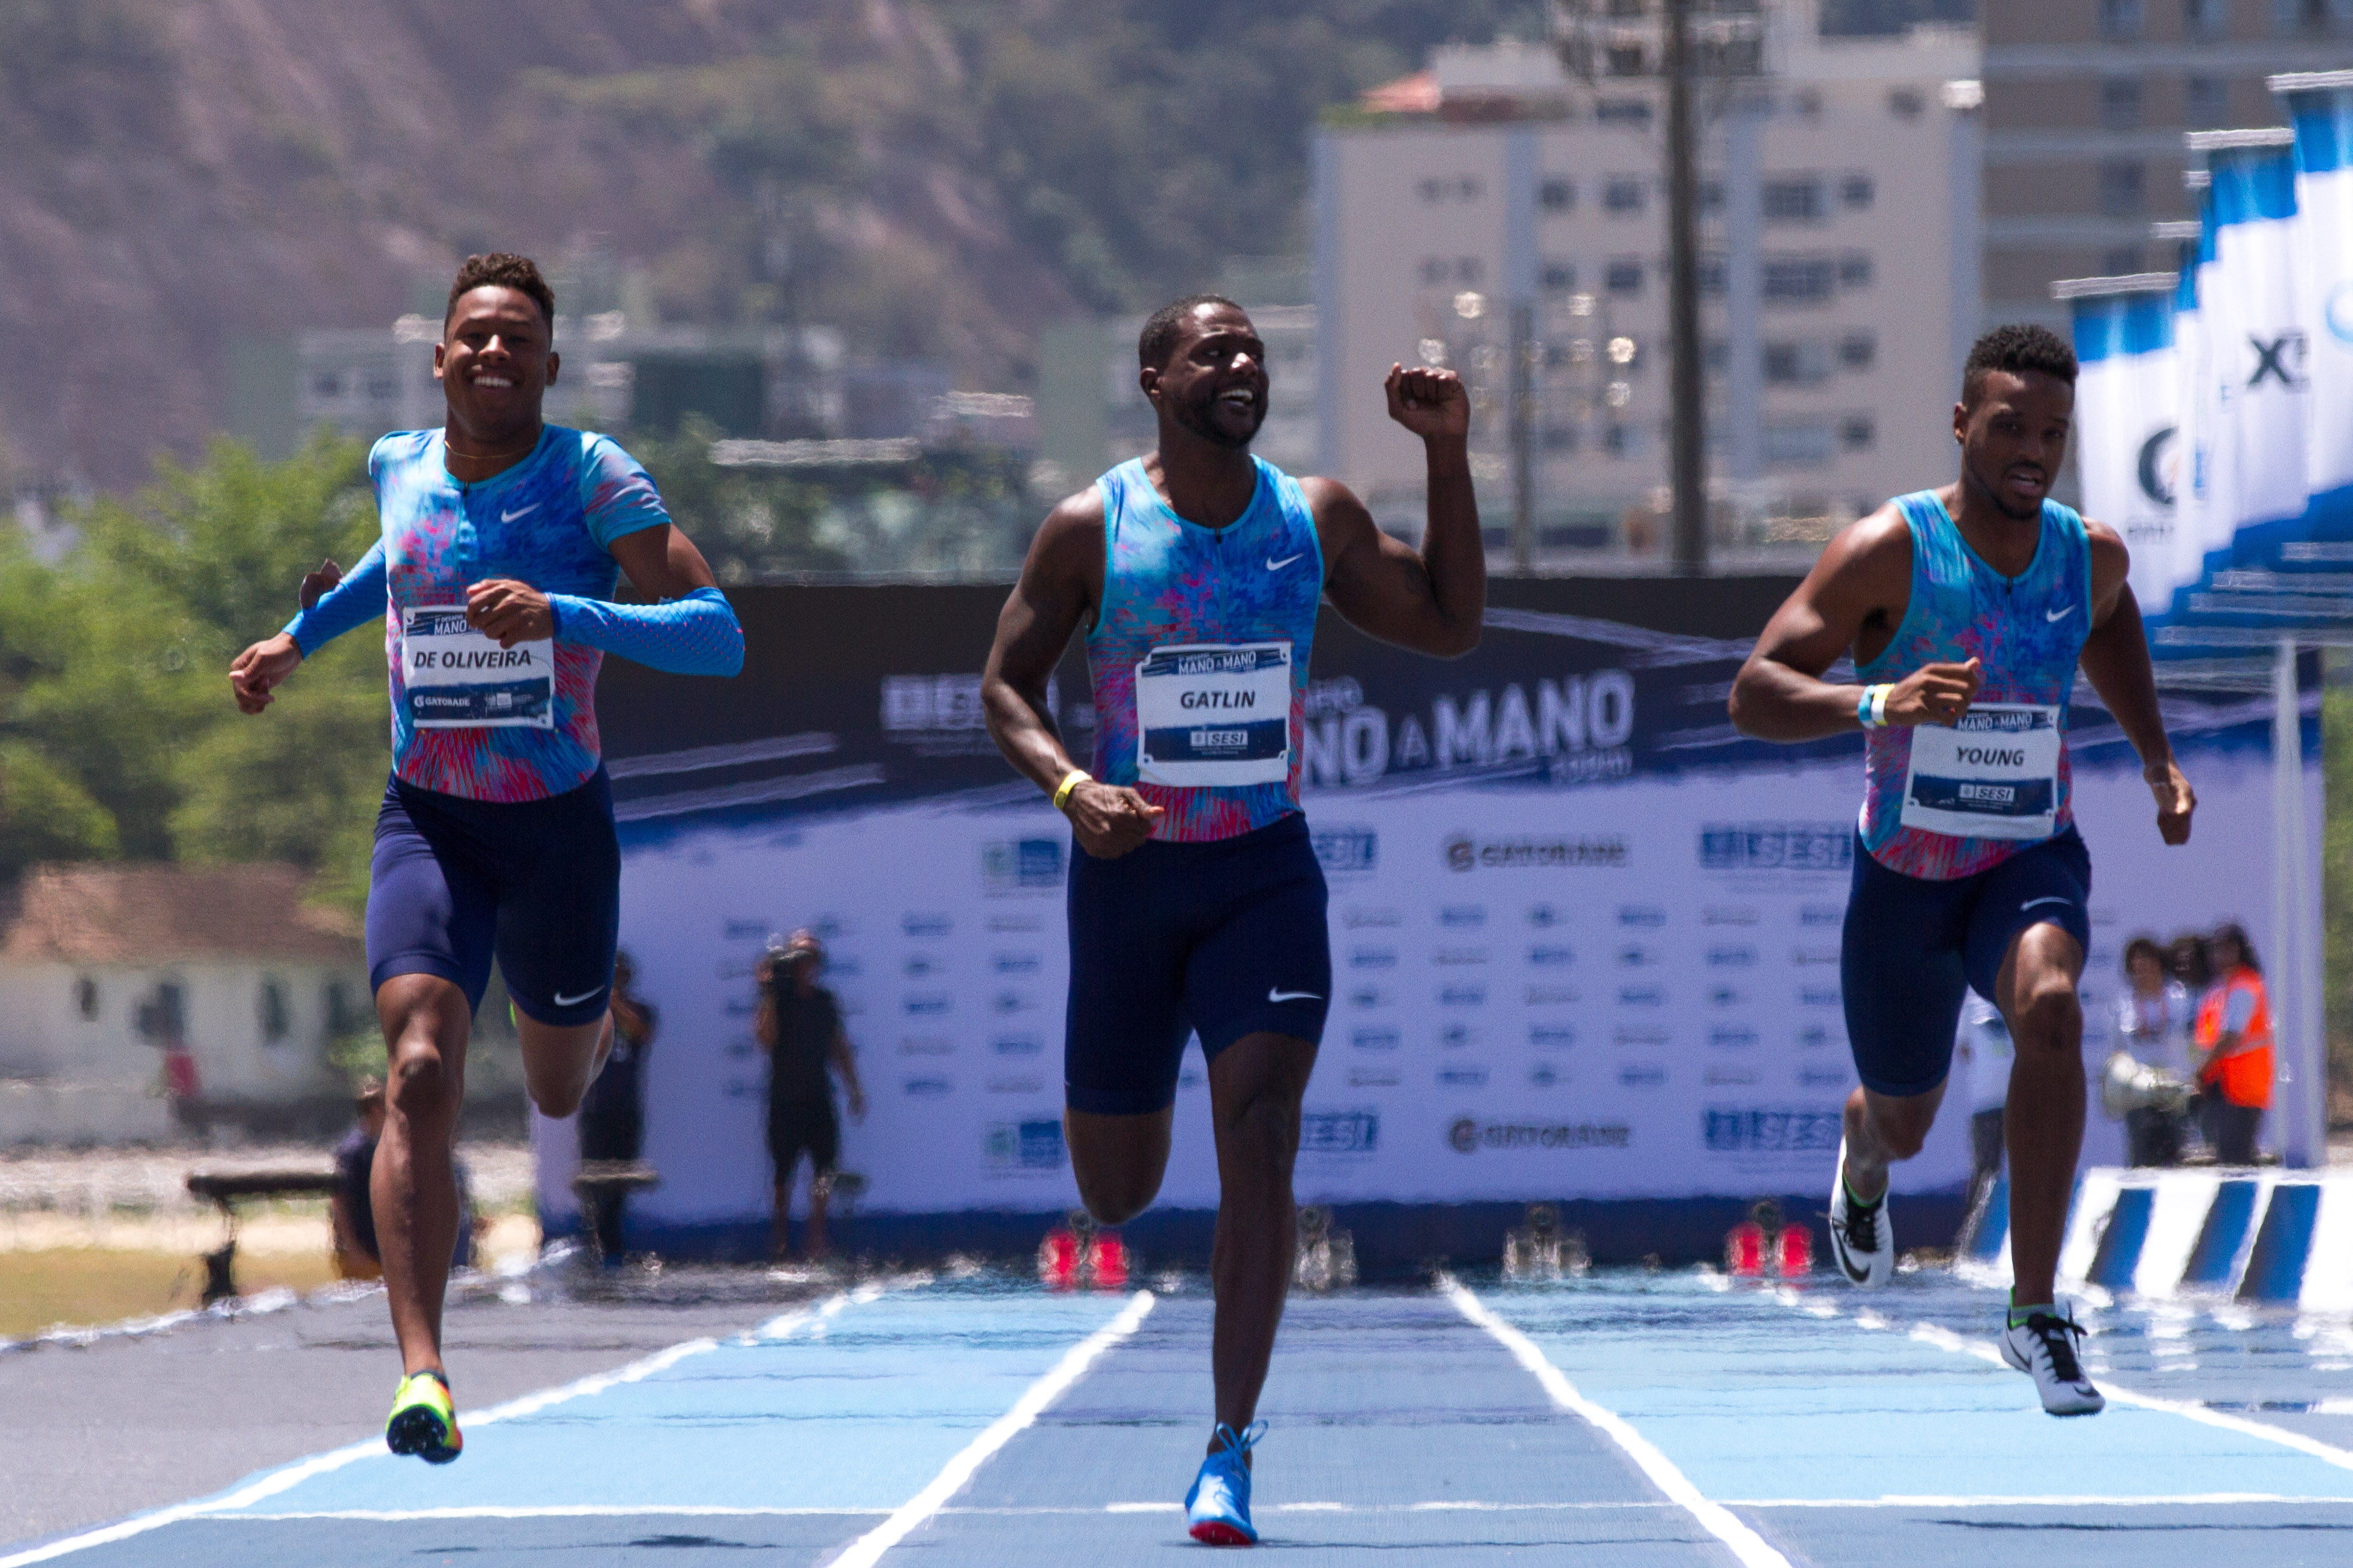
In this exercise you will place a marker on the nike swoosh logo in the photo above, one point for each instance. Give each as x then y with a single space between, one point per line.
2054 898
1279 566
1274 995
509 516
2058 615
1857 1275
564 1001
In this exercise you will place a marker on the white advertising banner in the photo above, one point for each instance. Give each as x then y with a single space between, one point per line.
2128 419
1586 940
2320 109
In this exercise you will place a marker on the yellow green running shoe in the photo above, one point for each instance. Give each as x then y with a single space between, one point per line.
423 1422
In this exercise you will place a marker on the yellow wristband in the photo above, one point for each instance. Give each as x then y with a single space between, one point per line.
1070 781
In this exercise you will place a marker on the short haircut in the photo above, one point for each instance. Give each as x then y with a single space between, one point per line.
2236 934
503 269
2147 944
2017 348
1165 326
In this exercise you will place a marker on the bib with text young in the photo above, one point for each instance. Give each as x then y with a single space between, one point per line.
1992 774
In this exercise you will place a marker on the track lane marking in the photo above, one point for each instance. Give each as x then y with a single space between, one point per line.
868 1549
1746 1545
276 1482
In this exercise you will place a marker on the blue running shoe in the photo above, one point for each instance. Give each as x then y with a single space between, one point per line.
1218 1508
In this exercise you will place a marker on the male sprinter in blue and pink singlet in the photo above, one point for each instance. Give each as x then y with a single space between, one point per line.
504 537
1969 610
1196 901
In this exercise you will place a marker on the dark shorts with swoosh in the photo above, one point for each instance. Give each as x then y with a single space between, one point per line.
1223 939
1912 946
535 883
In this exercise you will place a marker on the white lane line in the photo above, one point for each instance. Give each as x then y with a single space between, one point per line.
294 1475
1718 1520
868 1549
2327 1454
1451 1505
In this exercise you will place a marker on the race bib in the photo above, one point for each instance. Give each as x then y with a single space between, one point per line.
1993 775
458 679
1214 715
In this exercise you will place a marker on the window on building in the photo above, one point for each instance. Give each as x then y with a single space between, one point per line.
270 1010
1800 363
2120 18
383 389
2124 188
2120 103
1623 111
1560 277
326 383
1798 444
1795 201
1624 60
1469 269
1560 439
1715 355
1559 194
2120 259
1626 8
1906 102
1433 190
1713 276
2209 103
1799 280
1857 192
1433 270
1854 272
1858 351
1624 194
1711 195
1857 432
1624 440
2206 18
1623 277
1470 187
85 998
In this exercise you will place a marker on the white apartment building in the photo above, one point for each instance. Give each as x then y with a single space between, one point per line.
1839 239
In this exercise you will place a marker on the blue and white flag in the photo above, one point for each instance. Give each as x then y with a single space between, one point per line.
2254 334
2194 405
2128 415
2320 110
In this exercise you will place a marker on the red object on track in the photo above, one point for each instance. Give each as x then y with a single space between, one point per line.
1058 1260
1107 1263
1795 1247
1744 1250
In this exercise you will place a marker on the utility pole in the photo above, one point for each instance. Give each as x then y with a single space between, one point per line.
1522 394
1687 461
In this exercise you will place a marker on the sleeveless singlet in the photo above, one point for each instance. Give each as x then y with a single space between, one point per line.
1198 657
1944 803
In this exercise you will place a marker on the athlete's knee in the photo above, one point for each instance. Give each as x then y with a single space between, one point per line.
1900 1129
1261 1125
2049 1011
423 1081
1115 1197
555 1100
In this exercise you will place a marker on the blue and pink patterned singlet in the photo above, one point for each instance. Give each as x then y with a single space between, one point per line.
1999 782
1200 655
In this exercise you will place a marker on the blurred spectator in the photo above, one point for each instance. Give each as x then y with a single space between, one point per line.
349 1212
799 1026
2234 1039
612 1111
2154 1020
351 1215
1984 1051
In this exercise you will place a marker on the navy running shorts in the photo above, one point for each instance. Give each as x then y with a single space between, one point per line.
1911 946
535 883
1223 939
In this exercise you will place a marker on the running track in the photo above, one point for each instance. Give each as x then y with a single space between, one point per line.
1649 1419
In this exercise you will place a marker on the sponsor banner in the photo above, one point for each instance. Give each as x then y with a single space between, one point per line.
1552 978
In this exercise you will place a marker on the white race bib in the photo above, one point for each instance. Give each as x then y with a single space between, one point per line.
1993 775
458 679
1214 715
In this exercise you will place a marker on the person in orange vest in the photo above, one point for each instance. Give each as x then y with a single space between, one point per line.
2233 1037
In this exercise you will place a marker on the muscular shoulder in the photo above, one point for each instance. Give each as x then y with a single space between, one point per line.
1071 539
1341 519
2111 557
1871 556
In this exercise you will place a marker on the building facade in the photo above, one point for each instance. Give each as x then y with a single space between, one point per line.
2085 104
1504 207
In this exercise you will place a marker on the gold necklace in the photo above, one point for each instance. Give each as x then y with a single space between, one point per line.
486 456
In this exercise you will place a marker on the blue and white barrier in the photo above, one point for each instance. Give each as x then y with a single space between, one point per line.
2259 1236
